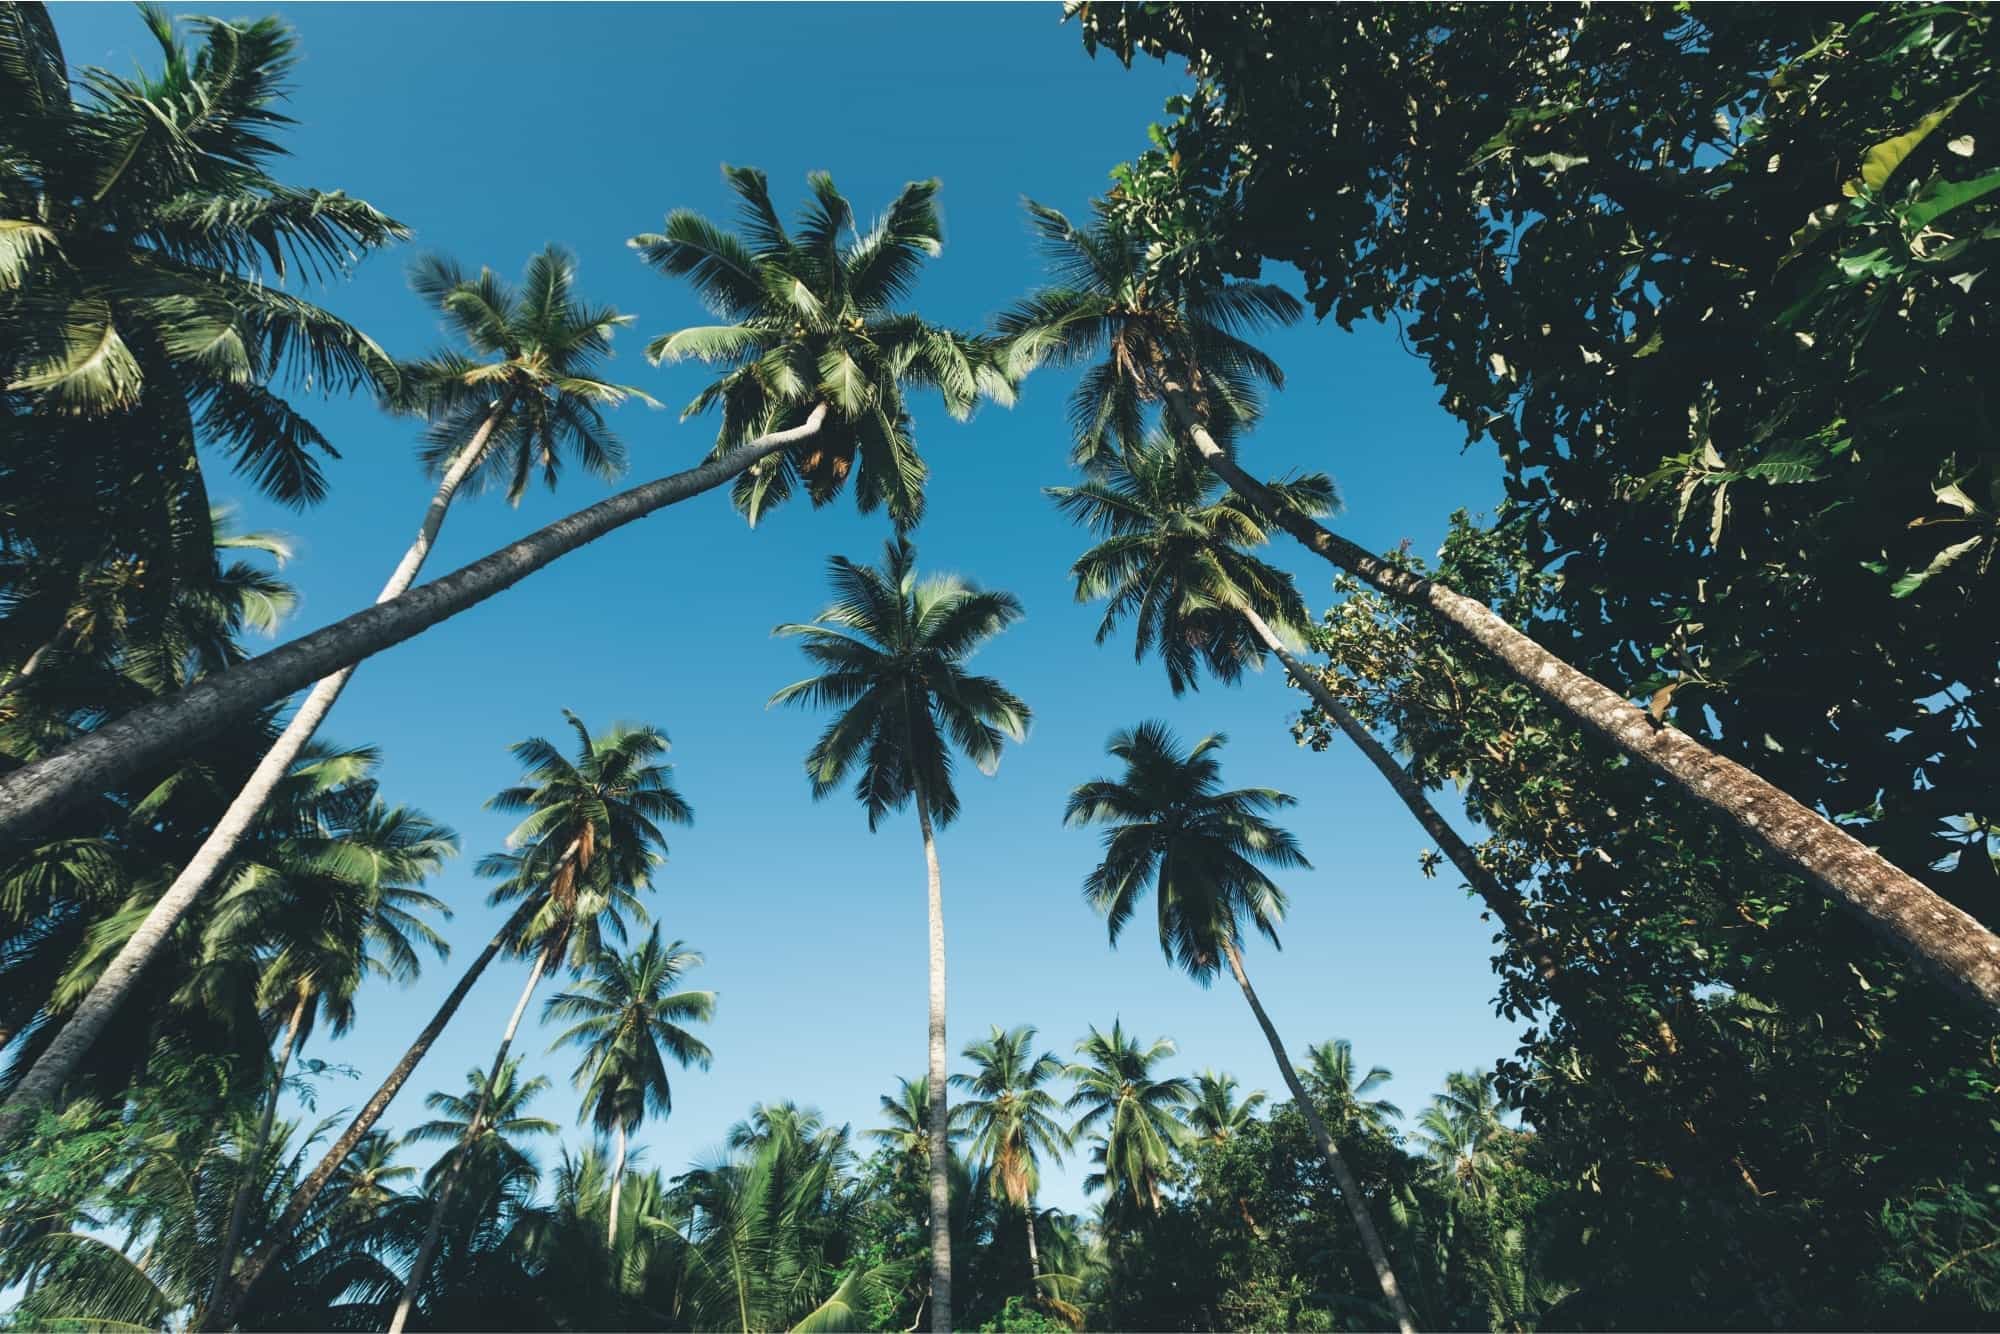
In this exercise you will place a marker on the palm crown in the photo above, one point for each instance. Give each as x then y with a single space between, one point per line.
1134 1112
1174 559
504 1120
1216 1114
627 1017
139 225
1010 1115
894 648
1174 827
534 369
590 835
812 318
1348 1088
1150 330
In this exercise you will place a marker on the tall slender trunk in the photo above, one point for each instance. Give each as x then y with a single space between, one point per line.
617 1187
474 1128
239 1211
223 1311
1350 1189
1034 1254
1943 940
940 1144
118 979
33 794
1501 901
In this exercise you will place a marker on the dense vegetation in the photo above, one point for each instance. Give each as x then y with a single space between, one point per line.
1710 684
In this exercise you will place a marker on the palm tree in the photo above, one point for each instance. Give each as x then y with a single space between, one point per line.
1215 1114
1135 1114
536 393
611 798
627 1018
591 836
364 1182
1012 1120
894 649
1174 342
908 1129
1460 1128
1174 829
331 908
1348 1087
884 262
485 1122
813 320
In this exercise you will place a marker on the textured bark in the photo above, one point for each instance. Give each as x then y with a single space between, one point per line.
109 991
1034 1254
34 794
940 1180
421 1266
239 1211
222 1313
1944 941
1350 1189
617 1188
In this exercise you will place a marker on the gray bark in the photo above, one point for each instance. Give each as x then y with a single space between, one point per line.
940 1179
1944 941
33 794
474 1128
617 1188
1350 1189
222 1313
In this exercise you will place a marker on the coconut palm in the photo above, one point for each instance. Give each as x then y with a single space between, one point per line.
1173 828
1011 1119
365 1181
894 649
813 320
611 798
1170 337
534 394
1347 1088
1215 1114
485 1122
330 908
1135 1114
1459 1130
627 1018
908 1129
1175 558
588 842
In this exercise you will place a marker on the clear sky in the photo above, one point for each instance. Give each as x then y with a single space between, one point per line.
492 130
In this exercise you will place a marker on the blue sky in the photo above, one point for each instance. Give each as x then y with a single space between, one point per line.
492 130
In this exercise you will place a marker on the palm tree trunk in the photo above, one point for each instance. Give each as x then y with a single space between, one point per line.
33 794
223 1311
425 1254
110 990
36 661
1501 901
239 1211
617 1187
1034 1254
1943 940
1350 1189
940 1143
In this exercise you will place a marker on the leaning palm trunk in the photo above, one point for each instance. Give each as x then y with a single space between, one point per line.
1350 1189
1945 941
223 1311
1034 1253
617 1190
167 727
420 1267
940 1143
239 1211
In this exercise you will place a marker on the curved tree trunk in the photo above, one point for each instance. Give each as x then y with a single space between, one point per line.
223 1311
1350 1189
420 1267
33 794
1943 940
239 1211
617 1187
119 977
940 1143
